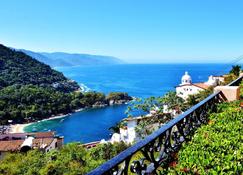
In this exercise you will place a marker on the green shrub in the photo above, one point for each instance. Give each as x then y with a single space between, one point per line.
118 96
216 148
73 159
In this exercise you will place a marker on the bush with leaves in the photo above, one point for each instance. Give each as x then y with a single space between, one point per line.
196 98
25 103
19 68
216 148
142 107
235 70
73 159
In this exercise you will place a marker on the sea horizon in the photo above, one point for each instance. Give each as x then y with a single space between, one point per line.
138 80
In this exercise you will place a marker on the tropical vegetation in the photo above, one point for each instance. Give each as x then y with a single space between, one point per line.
31 90
71 159
196 98
17 68
236 69
232 75
170 99
216 148
161 108
31 103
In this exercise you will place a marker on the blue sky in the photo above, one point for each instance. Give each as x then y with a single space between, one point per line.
143 31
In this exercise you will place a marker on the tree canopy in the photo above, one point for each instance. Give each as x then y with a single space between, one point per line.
236 70
31 90
17 68
72 158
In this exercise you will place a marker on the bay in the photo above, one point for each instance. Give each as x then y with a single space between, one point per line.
139 80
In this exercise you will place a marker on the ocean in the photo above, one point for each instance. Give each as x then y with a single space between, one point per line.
138 80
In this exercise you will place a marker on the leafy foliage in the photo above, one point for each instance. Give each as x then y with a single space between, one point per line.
196 98
31 90
233 74
17 68
156 103
216 148
71 159
241 90
229 78
235 70
118 96
23 103
173 101
31 103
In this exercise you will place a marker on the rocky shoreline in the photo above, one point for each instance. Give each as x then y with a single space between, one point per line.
19 128
115 98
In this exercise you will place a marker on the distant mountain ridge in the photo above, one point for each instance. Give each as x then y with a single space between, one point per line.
30 90
18 68
57 59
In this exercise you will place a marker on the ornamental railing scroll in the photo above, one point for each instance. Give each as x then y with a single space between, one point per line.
157 149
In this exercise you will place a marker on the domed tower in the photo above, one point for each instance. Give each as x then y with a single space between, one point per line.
186 79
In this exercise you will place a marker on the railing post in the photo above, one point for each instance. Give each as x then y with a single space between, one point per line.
158 147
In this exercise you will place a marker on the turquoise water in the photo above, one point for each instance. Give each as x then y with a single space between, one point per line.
138 80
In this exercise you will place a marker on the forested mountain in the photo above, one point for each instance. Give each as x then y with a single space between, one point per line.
31 90
56 59
17 68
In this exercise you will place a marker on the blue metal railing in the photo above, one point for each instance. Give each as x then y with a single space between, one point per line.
157 148
236 82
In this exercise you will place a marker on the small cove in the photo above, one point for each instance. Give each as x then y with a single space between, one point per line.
139 80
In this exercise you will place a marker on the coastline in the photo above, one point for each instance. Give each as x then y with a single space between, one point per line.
19 128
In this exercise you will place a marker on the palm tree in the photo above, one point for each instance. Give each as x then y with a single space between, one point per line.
236 70
117 126
191 101
143 129
173 101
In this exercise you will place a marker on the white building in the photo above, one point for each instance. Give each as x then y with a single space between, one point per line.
127 134
187 88
218 79
23 142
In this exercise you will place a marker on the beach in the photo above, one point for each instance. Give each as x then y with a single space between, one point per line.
137 80
18 128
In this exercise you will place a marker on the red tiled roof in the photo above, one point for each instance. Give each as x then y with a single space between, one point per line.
13 145
21 136
201 85
43 134
37 143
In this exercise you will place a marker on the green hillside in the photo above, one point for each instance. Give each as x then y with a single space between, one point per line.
17 68
31 91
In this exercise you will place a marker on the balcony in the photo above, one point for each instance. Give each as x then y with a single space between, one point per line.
159 148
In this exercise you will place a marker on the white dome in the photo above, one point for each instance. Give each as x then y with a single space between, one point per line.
186 79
